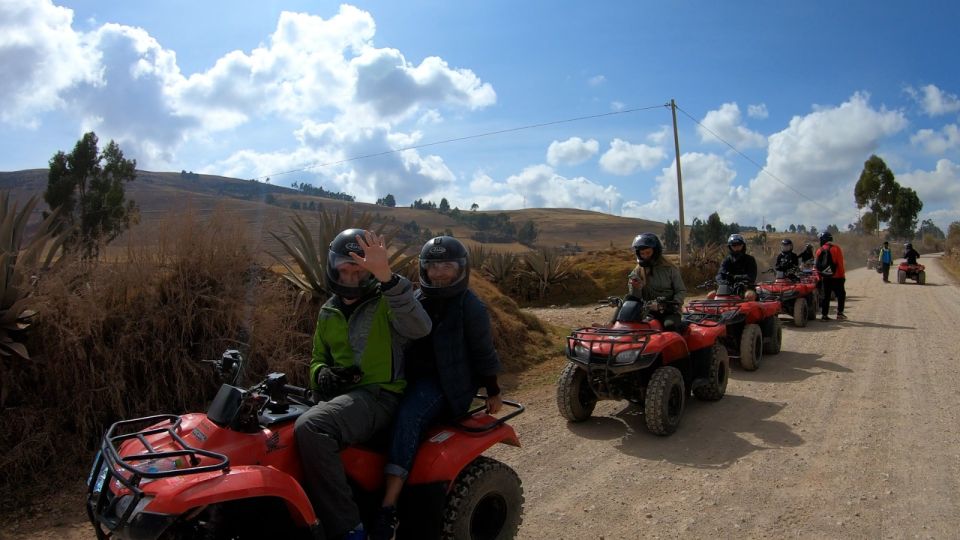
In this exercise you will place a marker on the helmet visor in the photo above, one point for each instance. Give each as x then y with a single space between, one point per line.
442 273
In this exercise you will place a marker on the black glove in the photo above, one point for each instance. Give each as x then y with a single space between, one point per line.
331 381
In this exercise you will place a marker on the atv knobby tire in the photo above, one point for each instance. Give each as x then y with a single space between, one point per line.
800 312
751 347
575 398
665 397
717 374
771 343
901 276
485 502
922 277
814 306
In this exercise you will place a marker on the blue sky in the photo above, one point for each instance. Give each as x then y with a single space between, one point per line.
805 90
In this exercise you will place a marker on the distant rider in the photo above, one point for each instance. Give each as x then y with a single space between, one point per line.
886 259
806 256
655 277
739 263
910 254
787 260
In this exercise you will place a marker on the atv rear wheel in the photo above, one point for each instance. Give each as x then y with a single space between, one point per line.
751 347
575 398
485 503
814 306
664 401
771 344
901 276
717 374
922 277
800 312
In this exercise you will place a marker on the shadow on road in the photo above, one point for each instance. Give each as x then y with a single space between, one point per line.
788 366
711 434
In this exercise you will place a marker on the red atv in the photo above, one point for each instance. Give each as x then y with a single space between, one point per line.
234 472
798 295
753 327
916 272
633 358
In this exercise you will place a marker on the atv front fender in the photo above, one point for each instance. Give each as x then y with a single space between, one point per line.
180 494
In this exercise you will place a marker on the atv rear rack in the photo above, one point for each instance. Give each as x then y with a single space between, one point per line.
131 470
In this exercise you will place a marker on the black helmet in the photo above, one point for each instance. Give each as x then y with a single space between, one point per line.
733 240
647 240
341 247
908 245
825 237
444 249
808 246
786 245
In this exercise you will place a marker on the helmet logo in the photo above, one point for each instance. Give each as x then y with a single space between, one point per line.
438 250
353 246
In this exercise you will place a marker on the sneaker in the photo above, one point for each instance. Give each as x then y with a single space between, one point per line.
824 318
356 533
385 525
841 317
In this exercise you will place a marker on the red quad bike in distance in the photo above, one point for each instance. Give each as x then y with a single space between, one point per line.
633 358
798 295
235 472
916 272
753 327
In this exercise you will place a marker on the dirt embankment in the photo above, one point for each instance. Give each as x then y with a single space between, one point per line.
850 432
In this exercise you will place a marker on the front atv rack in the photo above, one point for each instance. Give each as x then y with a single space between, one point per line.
588 336
131 470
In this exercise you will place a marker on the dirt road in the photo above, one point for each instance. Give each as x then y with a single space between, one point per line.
850 432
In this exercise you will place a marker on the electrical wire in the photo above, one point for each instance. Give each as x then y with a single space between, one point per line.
757 165
458 139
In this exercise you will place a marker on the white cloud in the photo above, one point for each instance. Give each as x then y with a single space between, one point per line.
617 105
624 158
935 102
725 123
596 80
935 143
539 186
572 151
41 57
819 155
757 111
939 190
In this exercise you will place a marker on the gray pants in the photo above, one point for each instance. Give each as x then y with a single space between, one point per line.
325 430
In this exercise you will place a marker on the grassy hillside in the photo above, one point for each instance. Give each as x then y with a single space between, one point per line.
163 197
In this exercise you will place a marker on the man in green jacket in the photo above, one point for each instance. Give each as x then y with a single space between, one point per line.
357 369
655 278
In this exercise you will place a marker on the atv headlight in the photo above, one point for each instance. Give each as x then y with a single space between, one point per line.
124 502
580 351
626 357
789 294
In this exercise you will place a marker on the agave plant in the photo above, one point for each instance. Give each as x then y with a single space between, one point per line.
547 267
478 255
309 254
18 264
499 266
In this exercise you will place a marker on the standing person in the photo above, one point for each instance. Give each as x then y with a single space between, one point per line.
654 277
806 256
886 259
910 254
832 276
357 369
739 263
787 260
444 370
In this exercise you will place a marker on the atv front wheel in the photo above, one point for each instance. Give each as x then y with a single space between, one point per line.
575 398
717 374
771 344
486 502
663 405
751 347
814 306
901 276
800 312
922 277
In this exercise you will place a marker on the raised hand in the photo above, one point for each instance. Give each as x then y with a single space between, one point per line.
374 258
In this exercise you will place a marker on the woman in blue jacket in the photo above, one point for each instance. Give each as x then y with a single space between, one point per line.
443 370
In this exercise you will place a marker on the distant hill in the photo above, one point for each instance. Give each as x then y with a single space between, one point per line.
162 196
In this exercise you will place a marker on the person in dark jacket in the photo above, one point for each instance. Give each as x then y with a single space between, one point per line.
787 260
443 370
654 278
739 263
806 256
910 254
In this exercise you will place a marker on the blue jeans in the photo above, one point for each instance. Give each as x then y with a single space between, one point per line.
422 404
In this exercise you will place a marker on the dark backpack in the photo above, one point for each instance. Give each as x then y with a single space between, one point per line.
824 262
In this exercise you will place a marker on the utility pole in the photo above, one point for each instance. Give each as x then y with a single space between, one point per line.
676 146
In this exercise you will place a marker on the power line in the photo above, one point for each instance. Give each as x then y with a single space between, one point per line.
458 139
757 165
